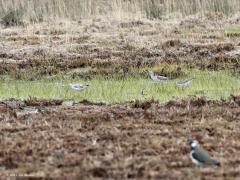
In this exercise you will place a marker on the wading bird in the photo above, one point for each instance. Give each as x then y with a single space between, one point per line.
184 83
78 87
157 78
200 156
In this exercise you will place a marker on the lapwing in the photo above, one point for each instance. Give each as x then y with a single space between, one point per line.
78 87
200 156
184 83
157 78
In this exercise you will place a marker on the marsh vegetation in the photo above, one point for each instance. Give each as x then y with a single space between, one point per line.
124 125
214 85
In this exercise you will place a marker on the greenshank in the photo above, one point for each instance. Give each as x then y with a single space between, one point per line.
184 83
78 87
157 78
200 156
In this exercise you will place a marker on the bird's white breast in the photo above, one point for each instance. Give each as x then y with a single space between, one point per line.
194 160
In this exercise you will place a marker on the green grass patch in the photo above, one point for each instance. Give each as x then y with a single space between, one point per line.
233 31
215 85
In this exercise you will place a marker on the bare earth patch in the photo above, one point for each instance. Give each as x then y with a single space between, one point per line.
130 140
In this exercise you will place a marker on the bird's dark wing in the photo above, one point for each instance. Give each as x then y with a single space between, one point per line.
201 155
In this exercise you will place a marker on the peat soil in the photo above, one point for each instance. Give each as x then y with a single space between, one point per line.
113 46
141 139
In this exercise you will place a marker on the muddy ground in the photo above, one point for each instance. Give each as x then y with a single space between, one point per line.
107 46
131 140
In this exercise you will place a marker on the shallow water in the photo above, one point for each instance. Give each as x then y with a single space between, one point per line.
214 85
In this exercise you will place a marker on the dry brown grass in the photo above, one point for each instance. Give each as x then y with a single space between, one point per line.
36 10
113 46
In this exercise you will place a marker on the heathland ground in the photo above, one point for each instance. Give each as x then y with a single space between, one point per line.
123 125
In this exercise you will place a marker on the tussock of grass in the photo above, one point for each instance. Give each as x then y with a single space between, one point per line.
13 17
